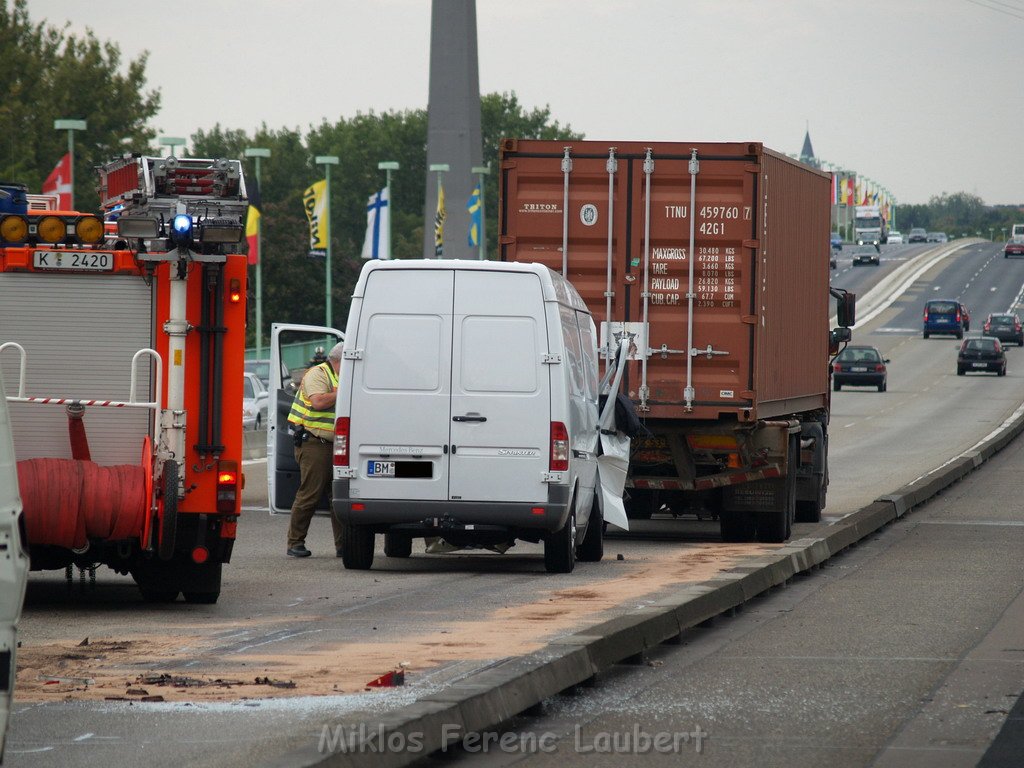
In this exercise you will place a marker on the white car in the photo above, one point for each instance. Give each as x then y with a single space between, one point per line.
254 402
895 238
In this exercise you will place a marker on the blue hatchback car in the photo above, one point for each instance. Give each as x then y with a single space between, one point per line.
944 316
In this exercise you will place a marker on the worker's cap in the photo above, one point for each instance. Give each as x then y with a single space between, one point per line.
336 350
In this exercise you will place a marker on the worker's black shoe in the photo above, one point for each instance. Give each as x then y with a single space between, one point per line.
299 550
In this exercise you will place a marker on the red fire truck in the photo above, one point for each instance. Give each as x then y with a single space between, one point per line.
123 356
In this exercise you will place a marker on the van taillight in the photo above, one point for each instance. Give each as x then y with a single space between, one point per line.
559 448
341 427
958 315
926 315
227 486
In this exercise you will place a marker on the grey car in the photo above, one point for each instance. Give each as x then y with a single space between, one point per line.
865 254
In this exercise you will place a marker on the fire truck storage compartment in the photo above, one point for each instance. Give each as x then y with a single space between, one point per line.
80 332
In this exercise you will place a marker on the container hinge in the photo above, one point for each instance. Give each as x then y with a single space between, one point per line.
751 244
550 359
664 351
352 354
749 319
708 353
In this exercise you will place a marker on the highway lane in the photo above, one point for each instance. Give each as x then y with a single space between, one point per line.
314 611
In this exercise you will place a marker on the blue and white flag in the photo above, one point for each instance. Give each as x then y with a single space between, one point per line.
377 244
475 217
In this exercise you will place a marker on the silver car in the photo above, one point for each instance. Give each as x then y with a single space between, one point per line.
254 402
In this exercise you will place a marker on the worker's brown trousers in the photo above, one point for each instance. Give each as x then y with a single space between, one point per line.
315 460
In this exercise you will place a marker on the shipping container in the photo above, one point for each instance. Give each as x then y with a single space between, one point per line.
708 257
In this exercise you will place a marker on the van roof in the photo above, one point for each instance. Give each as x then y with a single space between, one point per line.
556 288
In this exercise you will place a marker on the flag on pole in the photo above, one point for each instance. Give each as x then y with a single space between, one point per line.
59 183
377 244
314 200
439 224
252 222
475 214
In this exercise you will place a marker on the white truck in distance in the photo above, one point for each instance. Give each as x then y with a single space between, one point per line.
869 228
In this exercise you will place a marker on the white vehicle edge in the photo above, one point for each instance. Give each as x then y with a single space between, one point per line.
13 565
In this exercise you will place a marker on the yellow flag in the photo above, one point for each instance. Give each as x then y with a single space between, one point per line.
314 200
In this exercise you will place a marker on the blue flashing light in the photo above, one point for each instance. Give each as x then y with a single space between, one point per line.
181 228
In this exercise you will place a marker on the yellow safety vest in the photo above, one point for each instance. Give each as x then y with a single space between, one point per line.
302 413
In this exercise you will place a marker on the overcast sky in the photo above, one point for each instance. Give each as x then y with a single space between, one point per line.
923 96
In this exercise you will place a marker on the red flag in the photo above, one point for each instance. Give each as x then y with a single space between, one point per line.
59 183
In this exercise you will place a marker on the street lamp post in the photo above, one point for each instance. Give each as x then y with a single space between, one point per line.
388 166
440 169
327 161
482 171
172 142
70 126
257 153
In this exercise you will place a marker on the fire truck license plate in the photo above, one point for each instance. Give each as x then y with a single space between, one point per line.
381 469
73 260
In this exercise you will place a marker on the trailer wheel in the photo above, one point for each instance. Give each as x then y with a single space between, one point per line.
775 526
560 546
591 549
736 526
397 544
357 547
640 504
169 520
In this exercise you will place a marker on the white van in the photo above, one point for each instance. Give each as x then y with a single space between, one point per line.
13 564
468 411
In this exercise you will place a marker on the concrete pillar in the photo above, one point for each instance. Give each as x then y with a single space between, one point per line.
453 122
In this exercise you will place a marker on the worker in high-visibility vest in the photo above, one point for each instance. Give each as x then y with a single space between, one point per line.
312 423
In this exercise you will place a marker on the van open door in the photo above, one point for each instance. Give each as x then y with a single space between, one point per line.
292 348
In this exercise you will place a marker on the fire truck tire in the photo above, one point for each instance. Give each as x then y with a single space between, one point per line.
560 546
200 584
169 520
397 545
736 526
591 549
357 544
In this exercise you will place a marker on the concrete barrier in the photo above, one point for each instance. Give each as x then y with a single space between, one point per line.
484 700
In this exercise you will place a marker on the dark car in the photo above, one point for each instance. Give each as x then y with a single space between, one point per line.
917 235
837 241
861 367
937 237
1004 326
865 254
945 316
984 354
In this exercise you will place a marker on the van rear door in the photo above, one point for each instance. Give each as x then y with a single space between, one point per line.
401 385
501 390
429 424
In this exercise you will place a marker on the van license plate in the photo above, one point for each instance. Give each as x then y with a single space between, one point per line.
380 469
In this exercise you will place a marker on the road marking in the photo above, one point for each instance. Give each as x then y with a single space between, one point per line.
84 737
31 751
1010 523
248 462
